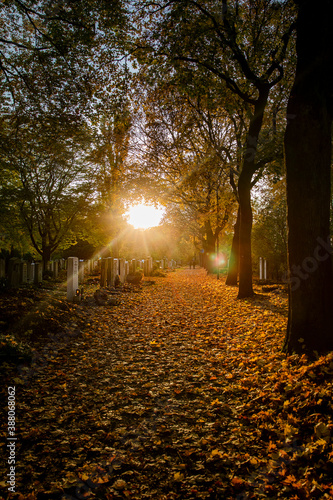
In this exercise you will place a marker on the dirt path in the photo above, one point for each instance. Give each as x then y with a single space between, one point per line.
155 398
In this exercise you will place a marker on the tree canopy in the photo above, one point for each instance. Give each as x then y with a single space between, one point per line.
182 102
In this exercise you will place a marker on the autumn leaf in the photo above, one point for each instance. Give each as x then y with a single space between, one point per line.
111 411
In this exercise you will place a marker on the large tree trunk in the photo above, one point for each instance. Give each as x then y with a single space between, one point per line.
308 166
232 278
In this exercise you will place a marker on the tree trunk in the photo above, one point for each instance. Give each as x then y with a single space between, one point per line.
209 248
245 230
232 278
244 194
46 257
308 168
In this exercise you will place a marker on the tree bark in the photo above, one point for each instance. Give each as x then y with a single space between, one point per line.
46 256
308 170
209 248
245 230
249 167
232 278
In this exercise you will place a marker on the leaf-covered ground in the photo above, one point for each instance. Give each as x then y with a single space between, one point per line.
180 392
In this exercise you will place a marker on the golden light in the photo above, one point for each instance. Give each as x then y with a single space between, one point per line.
143 216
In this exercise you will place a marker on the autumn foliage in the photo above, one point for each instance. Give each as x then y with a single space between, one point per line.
179 392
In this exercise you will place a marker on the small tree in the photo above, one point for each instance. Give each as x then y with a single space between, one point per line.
53 186
188 148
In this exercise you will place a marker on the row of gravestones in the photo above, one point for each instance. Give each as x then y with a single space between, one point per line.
262 268
167 264
110 269
22 272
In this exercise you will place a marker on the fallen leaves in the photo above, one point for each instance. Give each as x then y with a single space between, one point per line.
179 392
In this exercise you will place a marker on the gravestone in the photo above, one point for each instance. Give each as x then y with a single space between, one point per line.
14 272
24 272
72 277
147 266
30 272
104 268
2 268
38 277
88 266
56 269
262 269
115 271
127 269
81 271
122 276
109 272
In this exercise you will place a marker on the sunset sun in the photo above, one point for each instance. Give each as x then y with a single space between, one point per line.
144 216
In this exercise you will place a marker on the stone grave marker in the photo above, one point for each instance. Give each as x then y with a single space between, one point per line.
24 272
72 277
30 272
2 268
38 277
56 269
262 269
14 272
81 271
122 276
109 273
104 267
88 264
127 269
115 270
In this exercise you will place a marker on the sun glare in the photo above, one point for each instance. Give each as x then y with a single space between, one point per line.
144 216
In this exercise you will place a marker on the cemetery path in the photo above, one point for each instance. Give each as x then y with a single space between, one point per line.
179 392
